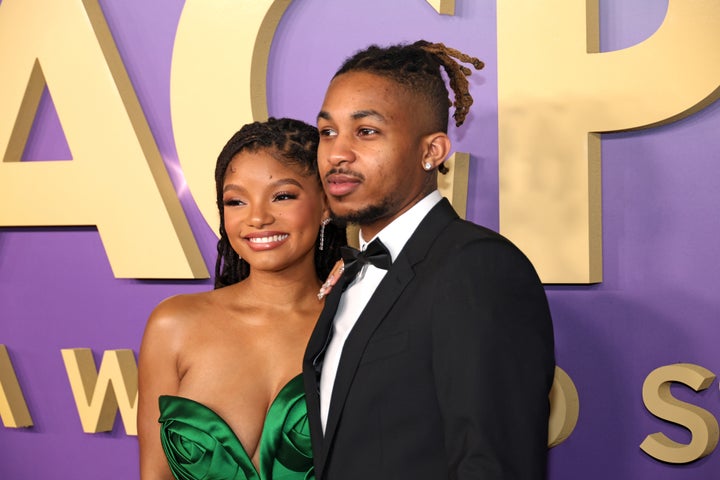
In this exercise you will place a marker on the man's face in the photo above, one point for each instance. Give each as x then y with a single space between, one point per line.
372 142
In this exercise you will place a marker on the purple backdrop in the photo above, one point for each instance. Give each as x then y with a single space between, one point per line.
658 303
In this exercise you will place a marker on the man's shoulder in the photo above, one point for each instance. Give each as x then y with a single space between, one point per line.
444 220
444 235
461 231
463 240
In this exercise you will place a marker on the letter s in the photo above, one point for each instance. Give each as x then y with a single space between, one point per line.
660 402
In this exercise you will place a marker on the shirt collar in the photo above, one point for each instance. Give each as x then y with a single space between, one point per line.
398 232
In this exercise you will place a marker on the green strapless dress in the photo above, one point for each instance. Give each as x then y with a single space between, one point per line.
200 445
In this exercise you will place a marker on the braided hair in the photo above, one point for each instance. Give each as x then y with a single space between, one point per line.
417 68
293 143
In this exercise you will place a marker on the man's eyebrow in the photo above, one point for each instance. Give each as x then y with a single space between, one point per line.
360 114
367 113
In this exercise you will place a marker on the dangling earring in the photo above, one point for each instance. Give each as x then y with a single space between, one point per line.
428 166
322 233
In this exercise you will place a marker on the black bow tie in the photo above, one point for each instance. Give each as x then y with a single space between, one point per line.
376 254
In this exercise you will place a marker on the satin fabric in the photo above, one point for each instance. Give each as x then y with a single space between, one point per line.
200 445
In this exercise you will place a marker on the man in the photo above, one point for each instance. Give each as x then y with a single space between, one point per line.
438 363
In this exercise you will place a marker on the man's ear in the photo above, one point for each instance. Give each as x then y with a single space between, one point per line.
436 149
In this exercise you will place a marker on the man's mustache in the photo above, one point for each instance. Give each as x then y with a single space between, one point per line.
346 172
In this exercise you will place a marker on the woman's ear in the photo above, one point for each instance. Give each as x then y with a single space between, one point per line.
325 214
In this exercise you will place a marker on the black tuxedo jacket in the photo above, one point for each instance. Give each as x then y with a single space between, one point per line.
447 371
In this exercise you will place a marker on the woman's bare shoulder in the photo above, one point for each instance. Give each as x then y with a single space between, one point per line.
195 310
181 312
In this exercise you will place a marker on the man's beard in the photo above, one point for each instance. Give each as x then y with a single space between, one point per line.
366 215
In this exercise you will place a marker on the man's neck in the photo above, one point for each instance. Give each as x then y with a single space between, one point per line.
395 233
371 230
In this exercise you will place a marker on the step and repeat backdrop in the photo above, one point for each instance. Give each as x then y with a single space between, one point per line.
592 143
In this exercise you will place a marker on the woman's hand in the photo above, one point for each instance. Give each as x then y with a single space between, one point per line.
332 279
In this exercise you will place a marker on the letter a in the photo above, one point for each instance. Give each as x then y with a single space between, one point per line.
116 180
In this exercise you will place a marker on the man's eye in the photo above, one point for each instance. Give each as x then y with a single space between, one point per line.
363 132
327 132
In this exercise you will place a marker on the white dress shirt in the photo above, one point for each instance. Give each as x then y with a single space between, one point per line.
359 291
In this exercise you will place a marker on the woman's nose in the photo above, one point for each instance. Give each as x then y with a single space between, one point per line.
260 216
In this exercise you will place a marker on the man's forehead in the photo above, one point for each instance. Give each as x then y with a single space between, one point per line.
359 95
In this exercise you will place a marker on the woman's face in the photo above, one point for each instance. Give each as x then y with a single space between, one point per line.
272 211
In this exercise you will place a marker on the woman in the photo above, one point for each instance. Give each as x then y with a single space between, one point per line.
221 369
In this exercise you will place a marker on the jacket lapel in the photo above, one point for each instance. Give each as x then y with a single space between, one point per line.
396 280
380 303
316 345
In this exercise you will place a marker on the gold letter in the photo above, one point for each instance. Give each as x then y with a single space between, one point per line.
98 394
554 94
660 402
444 7
454 184
564 408
116 180
13 409
218 80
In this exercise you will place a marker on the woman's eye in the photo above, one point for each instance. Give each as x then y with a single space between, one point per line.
233 202
327 132
285 196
